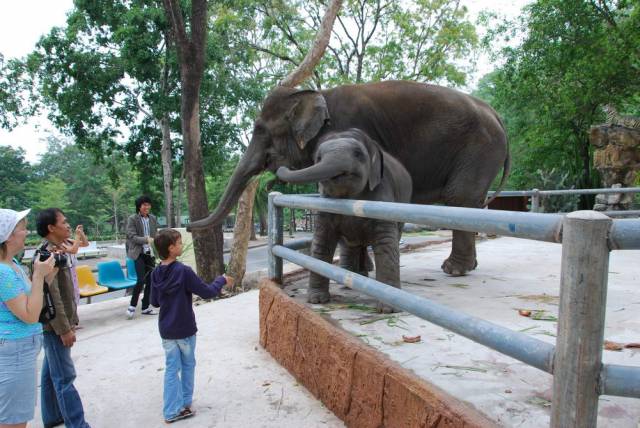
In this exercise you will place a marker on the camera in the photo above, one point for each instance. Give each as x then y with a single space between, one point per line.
61 259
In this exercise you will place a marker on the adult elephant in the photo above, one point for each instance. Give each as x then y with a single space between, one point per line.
452 144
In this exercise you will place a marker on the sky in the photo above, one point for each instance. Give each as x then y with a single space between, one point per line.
21 28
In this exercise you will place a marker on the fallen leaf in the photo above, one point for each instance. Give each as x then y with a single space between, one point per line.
411 339
632 345
613 346
541 316
524 312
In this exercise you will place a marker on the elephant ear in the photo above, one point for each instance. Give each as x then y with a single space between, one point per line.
307 116
376 159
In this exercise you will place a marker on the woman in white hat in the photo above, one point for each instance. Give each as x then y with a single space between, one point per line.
20 331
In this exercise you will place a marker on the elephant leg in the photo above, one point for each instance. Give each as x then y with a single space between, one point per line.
387 255
463 254
468 188
355 259
323 247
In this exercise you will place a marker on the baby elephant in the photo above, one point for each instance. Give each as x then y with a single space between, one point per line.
351 165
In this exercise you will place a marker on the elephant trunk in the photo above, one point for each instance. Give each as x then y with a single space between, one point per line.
324 170
252 163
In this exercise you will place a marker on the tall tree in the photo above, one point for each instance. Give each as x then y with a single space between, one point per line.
576 57
110 69
424 40
15 87
191 47
91 191
15 175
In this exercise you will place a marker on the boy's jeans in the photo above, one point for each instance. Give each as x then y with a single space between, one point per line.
178 375
59 398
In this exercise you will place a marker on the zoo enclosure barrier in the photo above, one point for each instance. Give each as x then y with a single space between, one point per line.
537 195
587 237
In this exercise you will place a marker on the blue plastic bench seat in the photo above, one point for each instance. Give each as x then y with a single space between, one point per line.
110 275
131 270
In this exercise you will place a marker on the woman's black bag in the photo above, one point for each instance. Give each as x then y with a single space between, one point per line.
48 308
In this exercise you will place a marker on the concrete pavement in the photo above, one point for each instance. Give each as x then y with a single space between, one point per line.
512 274
120 368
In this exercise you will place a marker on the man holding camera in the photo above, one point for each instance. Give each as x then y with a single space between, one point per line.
60 400
141 229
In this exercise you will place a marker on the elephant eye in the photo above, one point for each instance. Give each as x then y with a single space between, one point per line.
358 154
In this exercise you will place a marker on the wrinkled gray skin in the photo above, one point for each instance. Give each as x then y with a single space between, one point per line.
452 144
350 165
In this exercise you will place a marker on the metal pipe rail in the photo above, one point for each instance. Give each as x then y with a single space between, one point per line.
566 191
587 237
623 381
625 233
520 346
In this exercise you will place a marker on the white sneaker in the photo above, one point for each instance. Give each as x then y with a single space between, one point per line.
148 311
130 312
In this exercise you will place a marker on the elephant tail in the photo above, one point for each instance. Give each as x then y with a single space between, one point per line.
506 168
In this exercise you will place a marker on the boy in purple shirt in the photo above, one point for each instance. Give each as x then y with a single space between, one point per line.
172 287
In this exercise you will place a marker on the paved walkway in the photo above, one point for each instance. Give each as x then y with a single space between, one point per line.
120 367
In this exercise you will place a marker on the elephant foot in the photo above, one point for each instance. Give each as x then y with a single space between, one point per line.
383 308
455 268
315 295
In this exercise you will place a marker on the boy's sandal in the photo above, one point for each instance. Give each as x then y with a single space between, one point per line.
184 414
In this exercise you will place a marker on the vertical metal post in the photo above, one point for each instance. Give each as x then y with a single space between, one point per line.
583 293
275 238
535 201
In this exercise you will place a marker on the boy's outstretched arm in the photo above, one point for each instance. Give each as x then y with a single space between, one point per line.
207 291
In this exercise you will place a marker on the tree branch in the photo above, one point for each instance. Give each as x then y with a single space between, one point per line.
272 53
317 50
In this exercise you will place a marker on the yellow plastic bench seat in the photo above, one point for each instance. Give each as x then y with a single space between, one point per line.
87 282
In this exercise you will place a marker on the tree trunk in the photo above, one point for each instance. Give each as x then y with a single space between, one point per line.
115 215
241 232
263 224
292 222
179 202
207 243
167 170
253 228
586 201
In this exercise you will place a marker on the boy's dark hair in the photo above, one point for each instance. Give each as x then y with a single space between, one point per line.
142 200
47 217
164 239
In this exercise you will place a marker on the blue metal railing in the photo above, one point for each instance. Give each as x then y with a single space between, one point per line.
620 234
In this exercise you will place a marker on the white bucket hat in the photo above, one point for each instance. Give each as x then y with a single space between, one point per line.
8 221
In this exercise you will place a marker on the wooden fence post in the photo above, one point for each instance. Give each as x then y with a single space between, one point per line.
583 295
535 201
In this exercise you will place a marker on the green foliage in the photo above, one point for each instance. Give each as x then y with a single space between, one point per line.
50 192
575 57
15 174
424 40
69 178
15 87
111 75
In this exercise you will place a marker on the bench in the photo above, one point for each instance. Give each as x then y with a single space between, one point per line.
87 283
111 275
